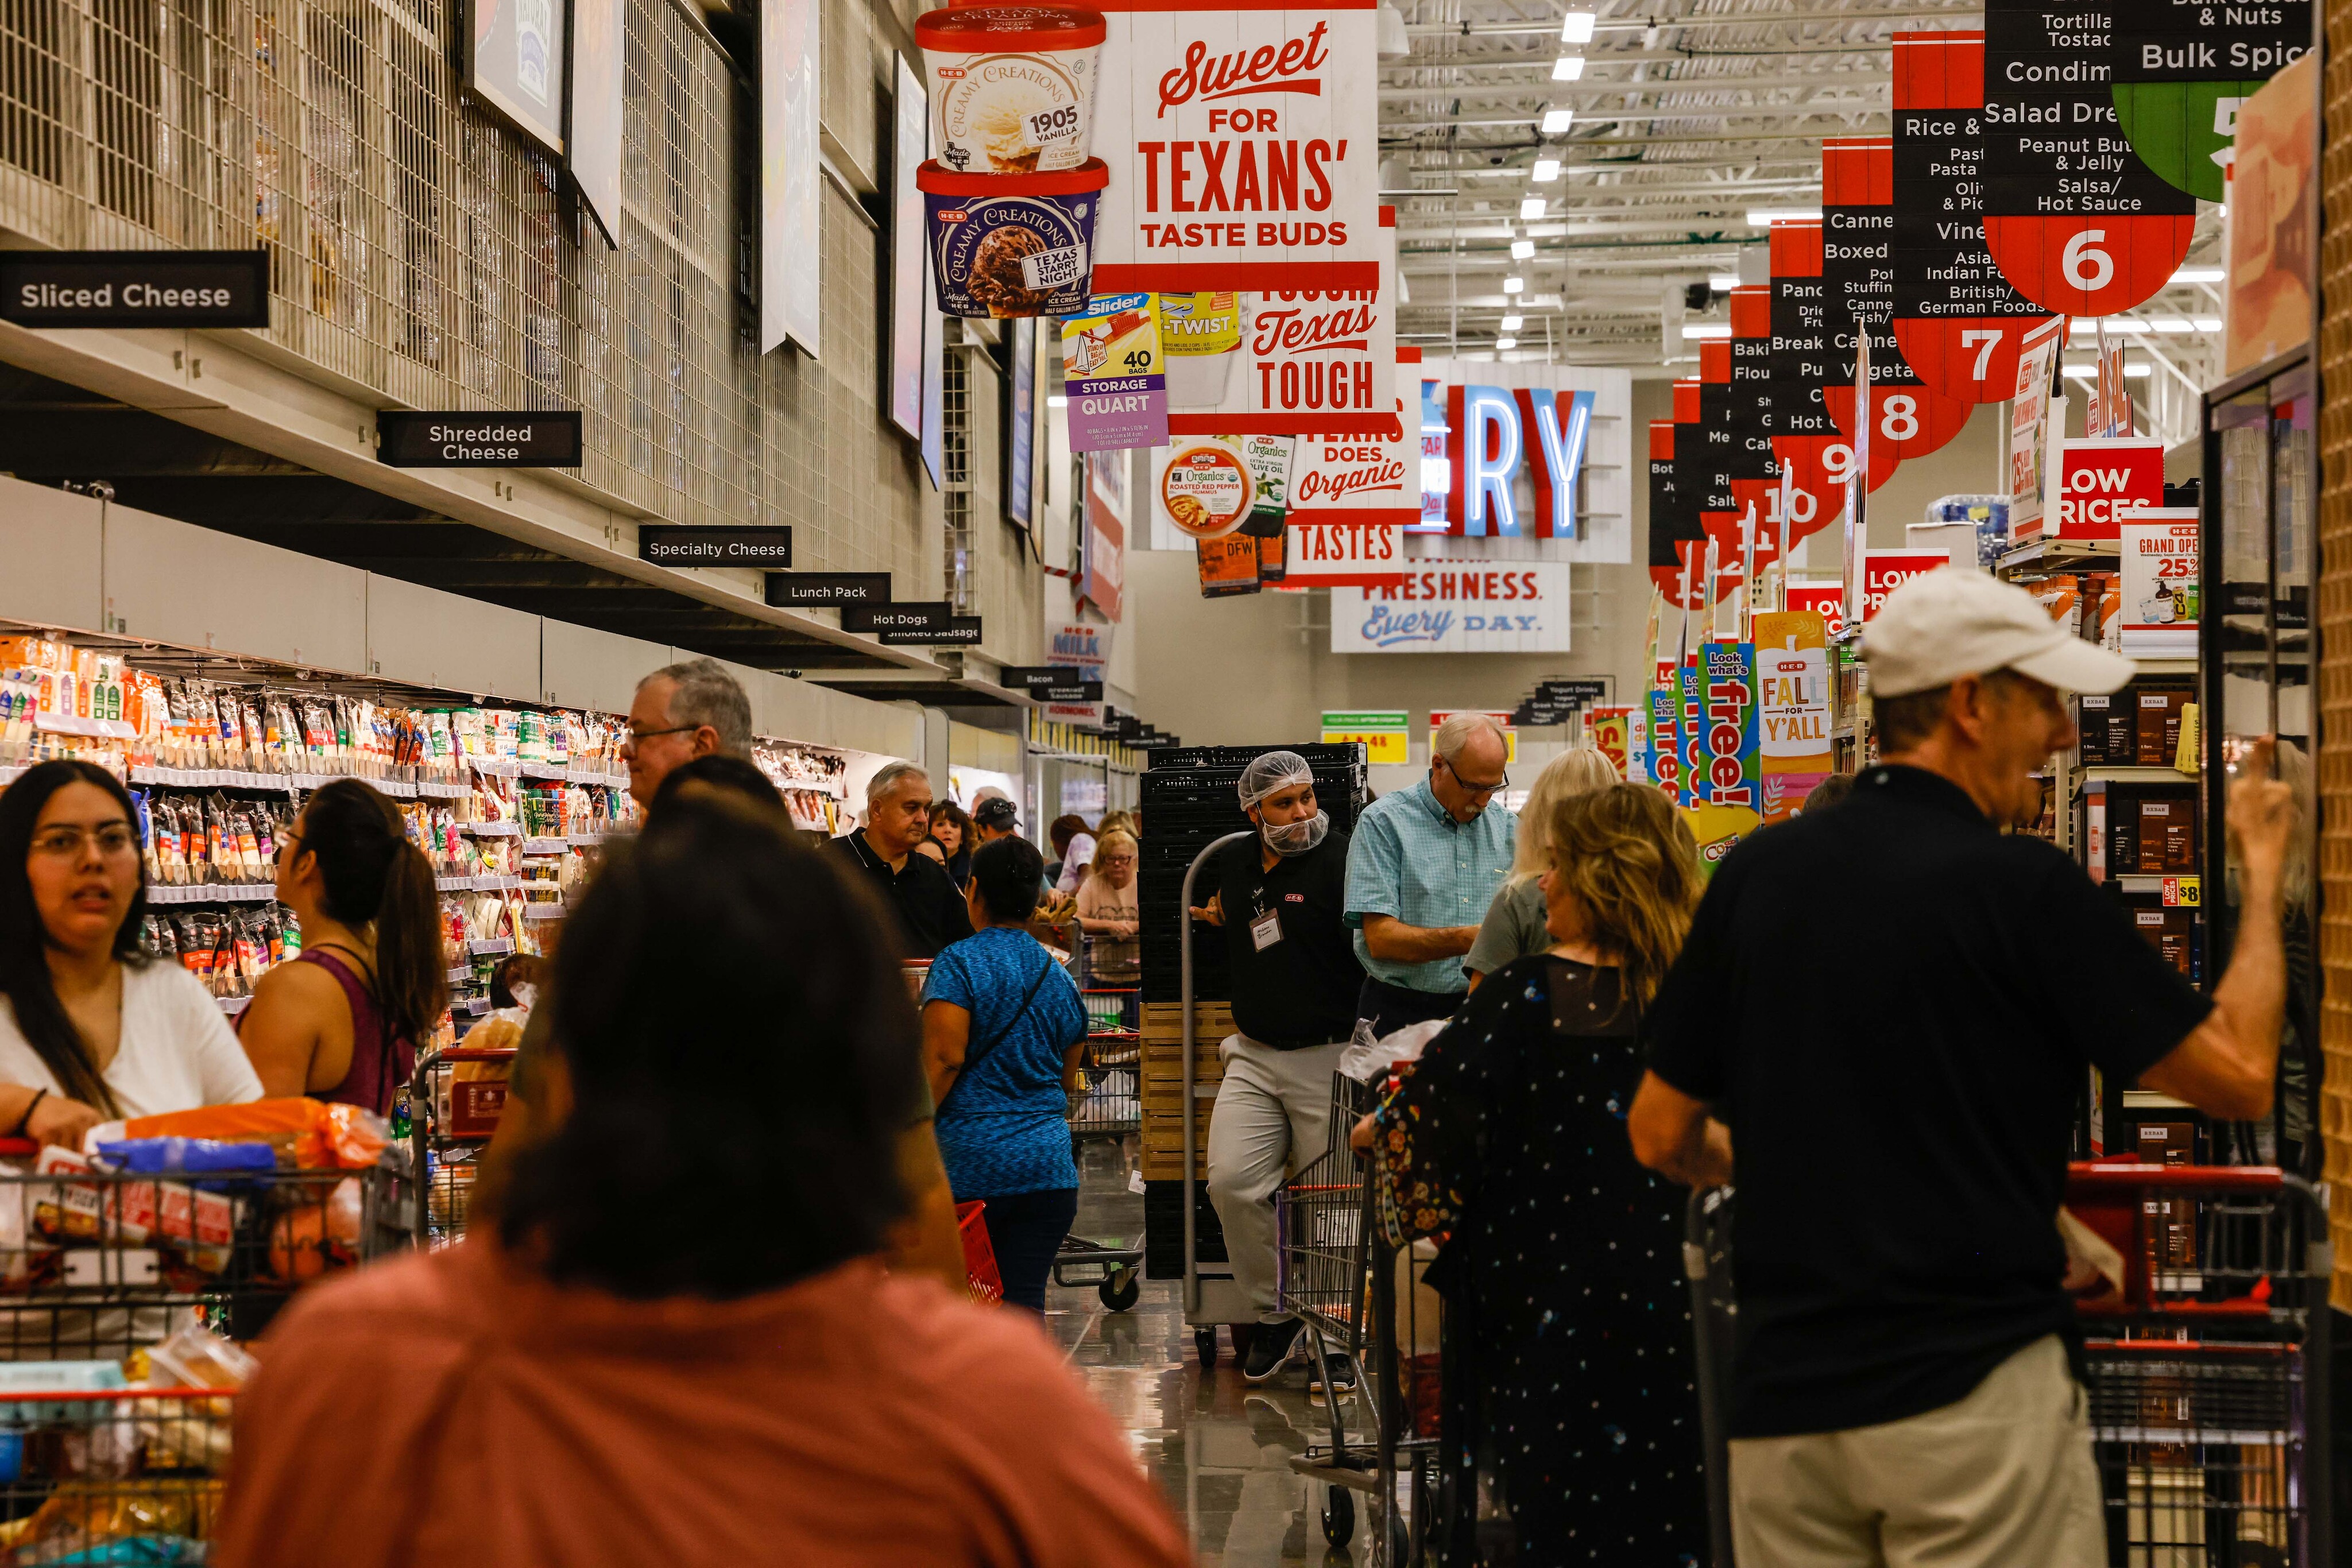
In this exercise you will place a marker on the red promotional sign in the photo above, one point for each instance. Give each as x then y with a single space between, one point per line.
1857 265
2101 483
1825 600
1884 571
1958 322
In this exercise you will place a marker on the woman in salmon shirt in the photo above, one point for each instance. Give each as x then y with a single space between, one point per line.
669 1343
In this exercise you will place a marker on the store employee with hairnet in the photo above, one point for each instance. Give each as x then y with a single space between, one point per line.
1281 900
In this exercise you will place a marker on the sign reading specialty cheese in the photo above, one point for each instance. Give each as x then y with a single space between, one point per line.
1958 322
2072 216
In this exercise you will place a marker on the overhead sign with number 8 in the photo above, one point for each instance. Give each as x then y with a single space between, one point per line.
1907 417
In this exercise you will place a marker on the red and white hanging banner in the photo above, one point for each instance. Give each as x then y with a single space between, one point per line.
1351 499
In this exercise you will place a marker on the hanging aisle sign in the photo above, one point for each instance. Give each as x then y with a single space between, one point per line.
2072 216
1351 500
1858 272
1754 474
1719 510
2182 70
1674 527
1960 324
1444 607
1805 441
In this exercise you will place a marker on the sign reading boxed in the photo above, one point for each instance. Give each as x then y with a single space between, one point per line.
795 588
932 615
173 288
668 544
469 438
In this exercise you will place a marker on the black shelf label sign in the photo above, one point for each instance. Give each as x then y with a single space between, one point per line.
1052 683
470 438
672 544
1586 689
169 289
928 616
960 631
810 589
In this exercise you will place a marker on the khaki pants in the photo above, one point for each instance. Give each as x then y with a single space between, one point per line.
2004 1478
1274 1117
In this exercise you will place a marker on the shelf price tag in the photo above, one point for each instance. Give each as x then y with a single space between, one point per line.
2184 893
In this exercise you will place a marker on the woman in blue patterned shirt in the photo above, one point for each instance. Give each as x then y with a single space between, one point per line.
1003 1030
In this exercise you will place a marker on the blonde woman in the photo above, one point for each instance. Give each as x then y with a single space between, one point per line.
1561 1265
1513 926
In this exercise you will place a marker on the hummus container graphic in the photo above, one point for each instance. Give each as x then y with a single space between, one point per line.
1200 338
1012 87
1011 244
1206 488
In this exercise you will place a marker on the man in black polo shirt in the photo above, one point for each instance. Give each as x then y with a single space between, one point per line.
918 889
1893 1006
1282 900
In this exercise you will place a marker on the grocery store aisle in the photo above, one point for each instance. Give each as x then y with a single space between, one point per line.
1220 1447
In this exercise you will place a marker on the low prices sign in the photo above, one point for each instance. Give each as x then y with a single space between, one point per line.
1826 599
1884 571
1243 147
1792 707
2101 482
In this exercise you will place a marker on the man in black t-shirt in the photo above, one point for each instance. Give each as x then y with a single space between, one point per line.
1891 1004
918 889
1282 899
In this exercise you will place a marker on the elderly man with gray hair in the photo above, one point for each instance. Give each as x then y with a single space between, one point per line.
681 712
1295 979
917 889
1425 864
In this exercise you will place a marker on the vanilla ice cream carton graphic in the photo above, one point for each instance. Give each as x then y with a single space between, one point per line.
1012 87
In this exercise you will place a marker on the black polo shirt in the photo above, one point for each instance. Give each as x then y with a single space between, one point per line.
931 913
1301 990
1892 1004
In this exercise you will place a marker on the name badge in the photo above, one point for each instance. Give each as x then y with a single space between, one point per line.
1266 930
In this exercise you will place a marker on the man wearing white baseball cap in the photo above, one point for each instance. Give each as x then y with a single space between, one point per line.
1868 999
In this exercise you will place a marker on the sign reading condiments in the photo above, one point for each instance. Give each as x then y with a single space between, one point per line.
670 544
466 438
171 288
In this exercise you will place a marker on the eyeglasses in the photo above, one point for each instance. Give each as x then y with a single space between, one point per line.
112 839
636 737
1502 783
1114 860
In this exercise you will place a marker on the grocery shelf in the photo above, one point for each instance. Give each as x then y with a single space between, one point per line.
213 893
490 946
232 1006
545 846
2150 1099
2101 773
497 830
2058 552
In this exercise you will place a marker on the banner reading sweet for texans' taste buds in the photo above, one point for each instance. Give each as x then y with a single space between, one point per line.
2072 216
1956 319
2181 71
1858 269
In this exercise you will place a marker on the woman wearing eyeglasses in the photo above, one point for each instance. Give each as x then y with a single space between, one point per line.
91 1027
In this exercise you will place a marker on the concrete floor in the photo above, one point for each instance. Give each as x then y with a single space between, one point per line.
1220 1447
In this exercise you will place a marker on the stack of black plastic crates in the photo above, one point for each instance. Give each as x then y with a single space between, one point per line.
1191 801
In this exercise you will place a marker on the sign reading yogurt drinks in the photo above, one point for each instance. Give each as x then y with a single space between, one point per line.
1114 374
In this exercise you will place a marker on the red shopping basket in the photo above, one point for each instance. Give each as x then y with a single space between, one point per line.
979 1256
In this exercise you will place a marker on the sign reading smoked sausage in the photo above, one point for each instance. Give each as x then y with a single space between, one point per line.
1858 273
2181 71
1956 319
2071 216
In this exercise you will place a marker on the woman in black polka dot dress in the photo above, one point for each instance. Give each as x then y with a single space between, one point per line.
1562 1272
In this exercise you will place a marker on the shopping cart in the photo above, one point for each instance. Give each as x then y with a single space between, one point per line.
454 1102
2207 1366
120 1475
1366 1307
1105 1103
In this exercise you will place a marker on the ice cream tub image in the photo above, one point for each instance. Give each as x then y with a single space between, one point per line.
1011 244
1010 87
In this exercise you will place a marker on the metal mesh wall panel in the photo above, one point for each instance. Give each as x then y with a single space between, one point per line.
2335 619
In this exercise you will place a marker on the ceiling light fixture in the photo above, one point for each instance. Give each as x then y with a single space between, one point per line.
1545 171
1501 343
1555 121
2136 370
1765 217
1513 323
2195 275
1722 282
2171 325
1699 330
2208 323
1568 67
1523 250
1513 285
1531 207
1576 27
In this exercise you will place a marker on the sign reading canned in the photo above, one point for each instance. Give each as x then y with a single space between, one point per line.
174 288
466 438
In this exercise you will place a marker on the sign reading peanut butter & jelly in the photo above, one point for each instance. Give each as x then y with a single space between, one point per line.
1957 320
2072 217
1858 270
1805 440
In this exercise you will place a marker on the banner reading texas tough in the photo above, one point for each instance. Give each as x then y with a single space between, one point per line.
2072 216
1956 319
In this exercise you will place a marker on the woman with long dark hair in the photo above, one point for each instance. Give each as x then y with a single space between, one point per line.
669 1340
343 1021
951 841
91 1027
1561 1263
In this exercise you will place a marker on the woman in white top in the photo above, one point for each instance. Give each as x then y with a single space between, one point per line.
91 1027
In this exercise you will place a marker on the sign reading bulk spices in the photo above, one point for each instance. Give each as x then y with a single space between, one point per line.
2181 71
1792 707
2071 216
1960 323
1386 735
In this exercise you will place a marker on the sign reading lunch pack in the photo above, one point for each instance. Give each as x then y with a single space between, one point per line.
1960 323
2072 216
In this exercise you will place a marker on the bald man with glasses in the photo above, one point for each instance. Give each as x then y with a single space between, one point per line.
1423 867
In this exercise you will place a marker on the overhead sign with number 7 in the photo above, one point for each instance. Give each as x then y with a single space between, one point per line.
1958 322
2072 217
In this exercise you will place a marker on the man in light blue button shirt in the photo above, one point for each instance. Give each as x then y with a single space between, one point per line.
1423 867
